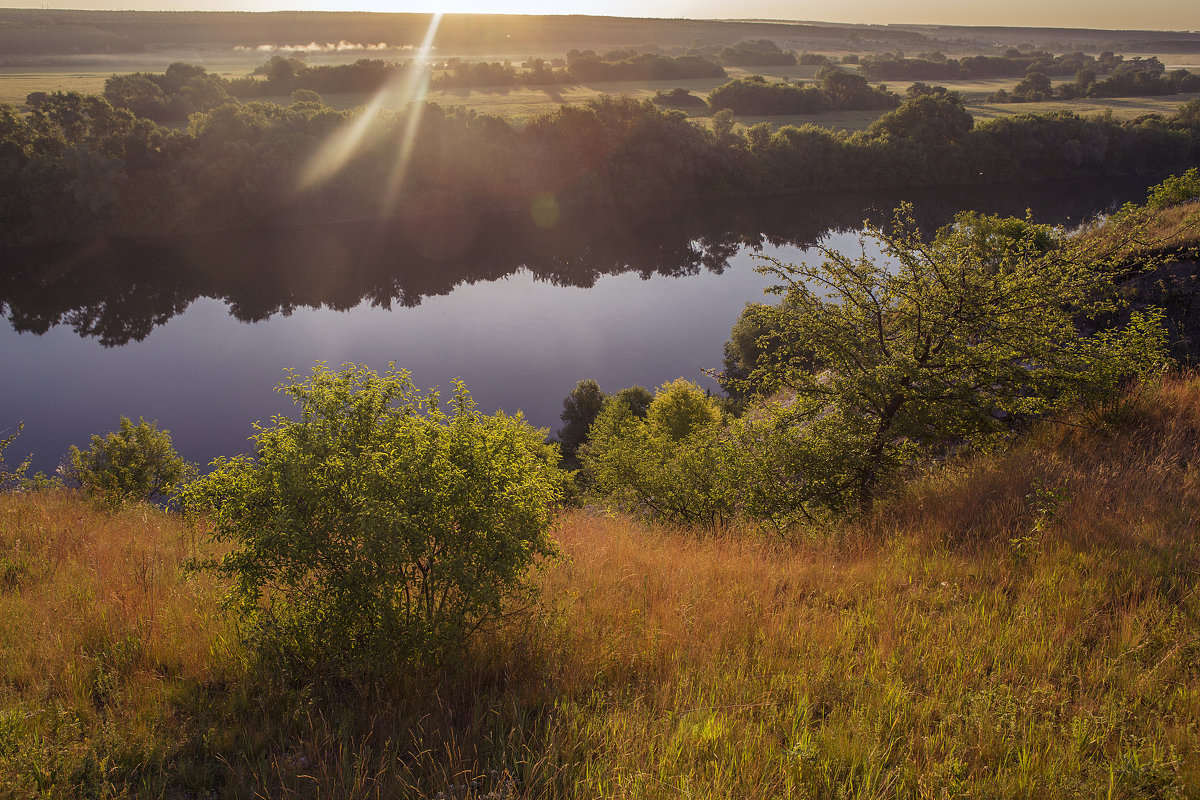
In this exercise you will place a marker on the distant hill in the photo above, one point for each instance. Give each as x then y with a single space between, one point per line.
29 32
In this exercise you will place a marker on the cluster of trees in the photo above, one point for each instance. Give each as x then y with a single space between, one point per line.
585 66
1134 78
869 365
756 53
678 98
281 76
1014 63
76 166
184 89
180 91
836 89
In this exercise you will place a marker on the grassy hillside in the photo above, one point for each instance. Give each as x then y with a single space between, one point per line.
1025 624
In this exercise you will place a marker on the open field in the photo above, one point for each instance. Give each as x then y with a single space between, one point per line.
518 103
1020 625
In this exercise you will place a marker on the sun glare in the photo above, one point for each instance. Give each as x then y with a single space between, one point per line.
408 89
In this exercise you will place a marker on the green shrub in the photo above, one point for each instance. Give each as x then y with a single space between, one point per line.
681 407
19 479
376 530
133 463
674 464
1175 189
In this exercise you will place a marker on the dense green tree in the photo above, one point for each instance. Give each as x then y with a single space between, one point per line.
680 407
376 530
673 465
638 398
580 409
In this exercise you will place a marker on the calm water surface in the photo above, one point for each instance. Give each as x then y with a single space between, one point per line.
195 332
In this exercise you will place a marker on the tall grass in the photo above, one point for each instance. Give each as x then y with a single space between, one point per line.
1025 624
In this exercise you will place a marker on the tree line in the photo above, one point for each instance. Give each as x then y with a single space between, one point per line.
1012 64
835 89
1134 78
76 166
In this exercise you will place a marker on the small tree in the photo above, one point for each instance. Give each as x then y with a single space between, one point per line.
674 464
940 342
641 467
377 530
638 398
133 463
580 409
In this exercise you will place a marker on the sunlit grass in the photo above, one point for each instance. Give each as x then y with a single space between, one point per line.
1020 625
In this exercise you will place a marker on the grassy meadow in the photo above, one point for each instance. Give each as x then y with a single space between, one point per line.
1021 624
519 102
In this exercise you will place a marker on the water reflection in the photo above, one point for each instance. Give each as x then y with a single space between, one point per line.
159 329
120 291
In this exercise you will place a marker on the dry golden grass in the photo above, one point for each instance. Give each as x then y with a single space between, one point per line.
1023 624
1144 236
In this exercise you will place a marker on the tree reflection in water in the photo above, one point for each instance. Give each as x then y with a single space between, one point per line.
119 291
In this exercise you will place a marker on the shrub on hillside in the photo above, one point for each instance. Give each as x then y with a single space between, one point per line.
377 530
133 463
1175 189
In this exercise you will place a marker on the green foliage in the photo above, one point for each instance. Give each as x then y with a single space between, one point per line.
686 464
134 463
19 479
753 337
943 342
377 530
580 409
642 467
869 365
77 166
1175 189
638 398
680 407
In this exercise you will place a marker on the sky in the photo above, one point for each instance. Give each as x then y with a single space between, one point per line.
1179 15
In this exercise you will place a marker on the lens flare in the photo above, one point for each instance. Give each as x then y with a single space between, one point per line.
408 88
412 121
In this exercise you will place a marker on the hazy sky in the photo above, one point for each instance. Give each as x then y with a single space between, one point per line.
1146 14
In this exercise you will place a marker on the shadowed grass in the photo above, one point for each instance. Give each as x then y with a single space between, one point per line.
1024 624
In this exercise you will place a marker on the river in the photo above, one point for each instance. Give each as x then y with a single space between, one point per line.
194 332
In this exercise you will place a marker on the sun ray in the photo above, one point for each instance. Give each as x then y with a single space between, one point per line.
409 87
412 120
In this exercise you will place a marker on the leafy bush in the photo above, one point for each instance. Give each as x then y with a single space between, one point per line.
376 530
715 472
1175 189
19 479
133 463
641 467
673 462
681 407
